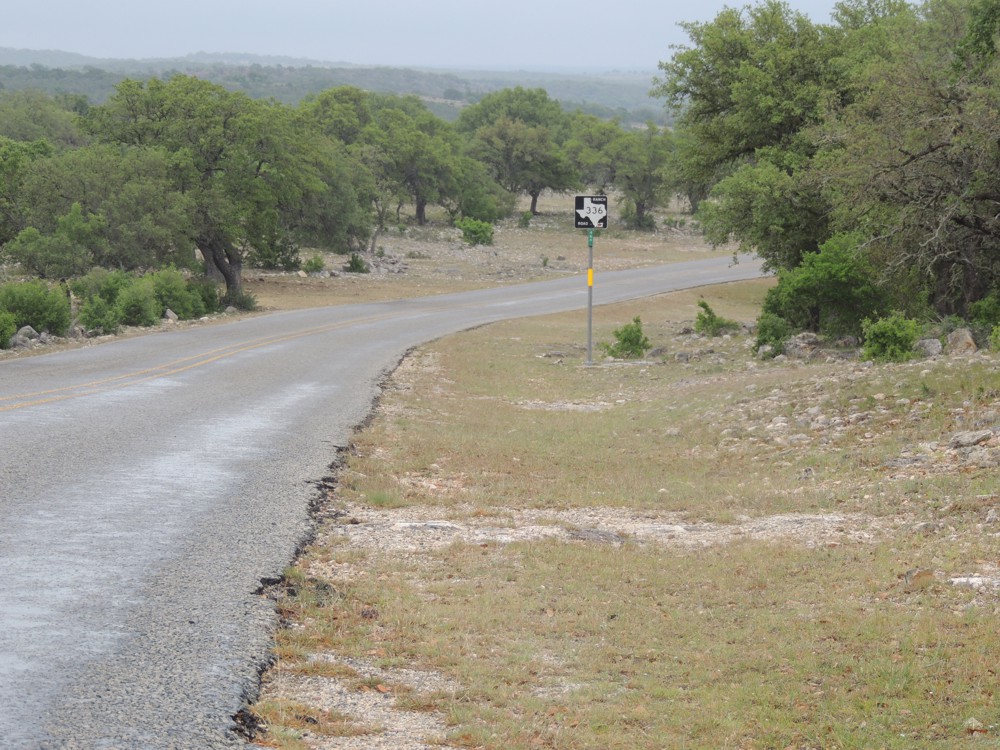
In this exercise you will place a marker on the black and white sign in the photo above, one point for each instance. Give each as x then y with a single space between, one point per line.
591 212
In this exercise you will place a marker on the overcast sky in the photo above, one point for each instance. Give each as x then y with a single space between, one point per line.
527 34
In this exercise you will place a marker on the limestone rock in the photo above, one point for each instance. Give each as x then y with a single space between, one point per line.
960 341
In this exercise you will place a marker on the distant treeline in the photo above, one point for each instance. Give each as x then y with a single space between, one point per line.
624 96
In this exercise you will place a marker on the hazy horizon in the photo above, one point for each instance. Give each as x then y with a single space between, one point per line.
554 35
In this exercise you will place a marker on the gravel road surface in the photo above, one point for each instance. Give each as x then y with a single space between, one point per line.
149 485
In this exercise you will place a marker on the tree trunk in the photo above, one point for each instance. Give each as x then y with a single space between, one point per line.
534 201
226 261
421 211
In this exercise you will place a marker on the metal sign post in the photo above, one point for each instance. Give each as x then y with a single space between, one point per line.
590 298
591 214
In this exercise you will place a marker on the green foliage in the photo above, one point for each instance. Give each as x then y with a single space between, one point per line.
137 304
831 292
48 256
208 291
985 313
995 338
35 304
710 323
773 331
97 314
890 339
356 264
524 220
8 327
102 283
277 255
314 264
476 232
244 300
173 291
630 342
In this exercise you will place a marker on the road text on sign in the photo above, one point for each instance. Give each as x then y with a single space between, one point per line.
591 212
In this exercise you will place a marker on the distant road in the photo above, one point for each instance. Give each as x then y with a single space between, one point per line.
148 485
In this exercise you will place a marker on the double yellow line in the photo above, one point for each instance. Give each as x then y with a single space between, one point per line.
36 398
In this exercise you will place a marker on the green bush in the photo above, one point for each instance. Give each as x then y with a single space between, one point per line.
995 338
831 292
356 264
8 327
889 339
243 300
773 331
173 291
33 303
102 283
986 312
709 323
137 304
314 265
476 232
97 314
524 220
630 342
280 254
208 291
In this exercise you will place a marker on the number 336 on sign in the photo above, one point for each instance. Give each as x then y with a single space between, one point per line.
591 212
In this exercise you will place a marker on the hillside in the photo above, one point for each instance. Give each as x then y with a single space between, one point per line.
623 94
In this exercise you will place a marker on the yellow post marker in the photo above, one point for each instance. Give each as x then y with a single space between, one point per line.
590 277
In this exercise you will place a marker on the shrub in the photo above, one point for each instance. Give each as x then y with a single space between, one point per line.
630 342
986 312
709 323
8 327
356 264
34 304
314 265
97 314
995 338
279 254
137 304
476 232
101 282
243 300
773 331
172 291
890 339
524 220
832 291
208 291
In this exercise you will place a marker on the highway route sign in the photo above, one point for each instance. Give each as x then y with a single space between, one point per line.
591 212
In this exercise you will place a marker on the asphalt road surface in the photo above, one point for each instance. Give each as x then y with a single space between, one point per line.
149 485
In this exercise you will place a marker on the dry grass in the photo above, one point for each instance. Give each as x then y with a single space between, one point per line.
760 634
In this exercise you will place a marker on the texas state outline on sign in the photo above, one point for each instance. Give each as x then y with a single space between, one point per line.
594 212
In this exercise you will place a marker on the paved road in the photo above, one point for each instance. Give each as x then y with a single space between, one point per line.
148 485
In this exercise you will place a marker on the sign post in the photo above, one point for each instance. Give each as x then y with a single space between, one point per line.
591 214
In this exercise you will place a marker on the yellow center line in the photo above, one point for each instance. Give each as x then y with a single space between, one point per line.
168 368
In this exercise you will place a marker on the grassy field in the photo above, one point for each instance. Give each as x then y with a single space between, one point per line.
701 550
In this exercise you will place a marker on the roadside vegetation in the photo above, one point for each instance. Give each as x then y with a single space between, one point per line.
700 549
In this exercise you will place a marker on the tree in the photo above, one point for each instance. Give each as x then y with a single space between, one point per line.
33 116
748 91
641 167
518 133
15 160
145 218
917 162
238 161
